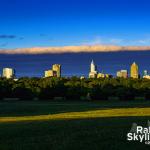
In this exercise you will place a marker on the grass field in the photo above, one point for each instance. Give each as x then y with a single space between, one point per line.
71 125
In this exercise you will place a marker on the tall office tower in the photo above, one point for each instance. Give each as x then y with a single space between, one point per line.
134 71
122 74
93 70
8 73
57 69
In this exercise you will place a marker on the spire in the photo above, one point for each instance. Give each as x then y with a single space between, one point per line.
134 63
92 62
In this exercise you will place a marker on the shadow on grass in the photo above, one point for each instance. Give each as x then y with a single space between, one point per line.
80 134
34 108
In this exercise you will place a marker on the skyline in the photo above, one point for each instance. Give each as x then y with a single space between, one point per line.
48 23
74 63
94 72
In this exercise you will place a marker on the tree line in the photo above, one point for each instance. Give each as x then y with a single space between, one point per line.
74 88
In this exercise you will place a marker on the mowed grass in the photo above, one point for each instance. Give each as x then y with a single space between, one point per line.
71 125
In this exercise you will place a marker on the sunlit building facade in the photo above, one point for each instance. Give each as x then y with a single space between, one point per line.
49 73
57 68
54 72
134 71
93 70
100 75
122 74
8 73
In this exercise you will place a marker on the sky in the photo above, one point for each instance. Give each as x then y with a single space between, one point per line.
43 23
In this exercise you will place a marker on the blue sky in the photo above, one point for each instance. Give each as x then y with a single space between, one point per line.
32 23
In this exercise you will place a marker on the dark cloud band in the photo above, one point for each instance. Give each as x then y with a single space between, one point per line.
74 49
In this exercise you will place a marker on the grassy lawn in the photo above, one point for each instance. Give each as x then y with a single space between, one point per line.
71 125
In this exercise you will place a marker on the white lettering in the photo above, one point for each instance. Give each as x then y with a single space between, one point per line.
129 136
139 129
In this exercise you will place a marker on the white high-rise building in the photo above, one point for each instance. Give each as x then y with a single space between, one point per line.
8 73
93 67
93 70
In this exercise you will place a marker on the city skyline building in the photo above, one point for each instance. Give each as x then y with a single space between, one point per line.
100 75
146 75
145 72
8 73
93 70
134 71
50 73
122 74
54 72
57 69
